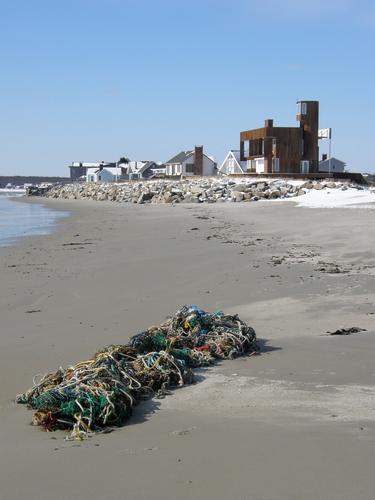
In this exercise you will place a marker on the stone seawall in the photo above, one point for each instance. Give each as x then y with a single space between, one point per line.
208 190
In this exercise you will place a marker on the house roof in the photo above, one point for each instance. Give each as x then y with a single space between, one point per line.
132 166
332 159
89 164
180 157
111 170
184 155
236 154
146 166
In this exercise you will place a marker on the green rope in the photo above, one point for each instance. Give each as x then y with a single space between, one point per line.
102 391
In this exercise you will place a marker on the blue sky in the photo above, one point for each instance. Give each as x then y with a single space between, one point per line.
92 80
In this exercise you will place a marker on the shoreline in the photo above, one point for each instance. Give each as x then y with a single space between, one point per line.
41 230
130 266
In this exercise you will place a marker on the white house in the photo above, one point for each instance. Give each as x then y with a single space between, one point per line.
78 169
132 168
109 172
336 165
104 174
233 164
189 163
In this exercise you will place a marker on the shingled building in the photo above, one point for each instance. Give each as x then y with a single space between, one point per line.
284 150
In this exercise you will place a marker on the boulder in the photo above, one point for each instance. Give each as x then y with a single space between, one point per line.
168 198
196 189
239 187
238 196
275 193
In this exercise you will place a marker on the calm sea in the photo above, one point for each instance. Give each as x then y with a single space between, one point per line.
24 219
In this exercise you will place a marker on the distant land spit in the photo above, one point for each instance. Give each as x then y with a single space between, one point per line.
20 180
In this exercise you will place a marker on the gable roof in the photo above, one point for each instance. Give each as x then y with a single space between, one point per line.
236 155
110 170
90 164
184 155
321 162
180 157
146 166
133 166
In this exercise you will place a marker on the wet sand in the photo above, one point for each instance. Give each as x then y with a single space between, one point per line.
297 422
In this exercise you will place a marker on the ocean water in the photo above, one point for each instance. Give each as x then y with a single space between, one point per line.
25 219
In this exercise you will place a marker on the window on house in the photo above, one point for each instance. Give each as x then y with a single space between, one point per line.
305 166
246 148
274 146
189 168
230 166
250 165
302 108
275 164
255 147
259 165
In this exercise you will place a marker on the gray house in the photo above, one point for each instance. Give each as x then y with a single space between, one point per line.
336 165
149 169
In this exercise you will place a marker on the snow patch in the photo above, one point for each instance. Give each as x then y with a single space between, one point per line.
337 198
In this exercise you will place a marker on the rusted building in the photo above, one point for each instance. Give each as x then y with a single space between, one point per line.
292 150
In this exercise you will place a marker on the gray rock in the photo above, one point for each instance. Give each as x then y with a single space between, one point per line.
239 187
238 196
188 190
275 193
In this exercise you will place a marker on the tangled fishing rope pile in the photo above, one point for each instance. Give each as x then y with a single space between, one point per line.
101 392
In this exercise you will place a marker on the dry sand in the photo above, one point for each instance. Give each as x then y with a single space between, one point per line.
296 422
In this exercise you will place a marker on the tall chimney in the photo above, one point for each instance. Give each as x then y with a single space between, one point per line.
268 123
324 157
198 160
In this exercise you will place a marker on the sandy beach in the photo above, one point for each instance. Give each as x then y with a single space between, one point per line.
296 423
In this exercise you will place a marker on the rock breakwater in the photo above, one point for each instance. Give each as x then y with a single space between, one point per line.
208 190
